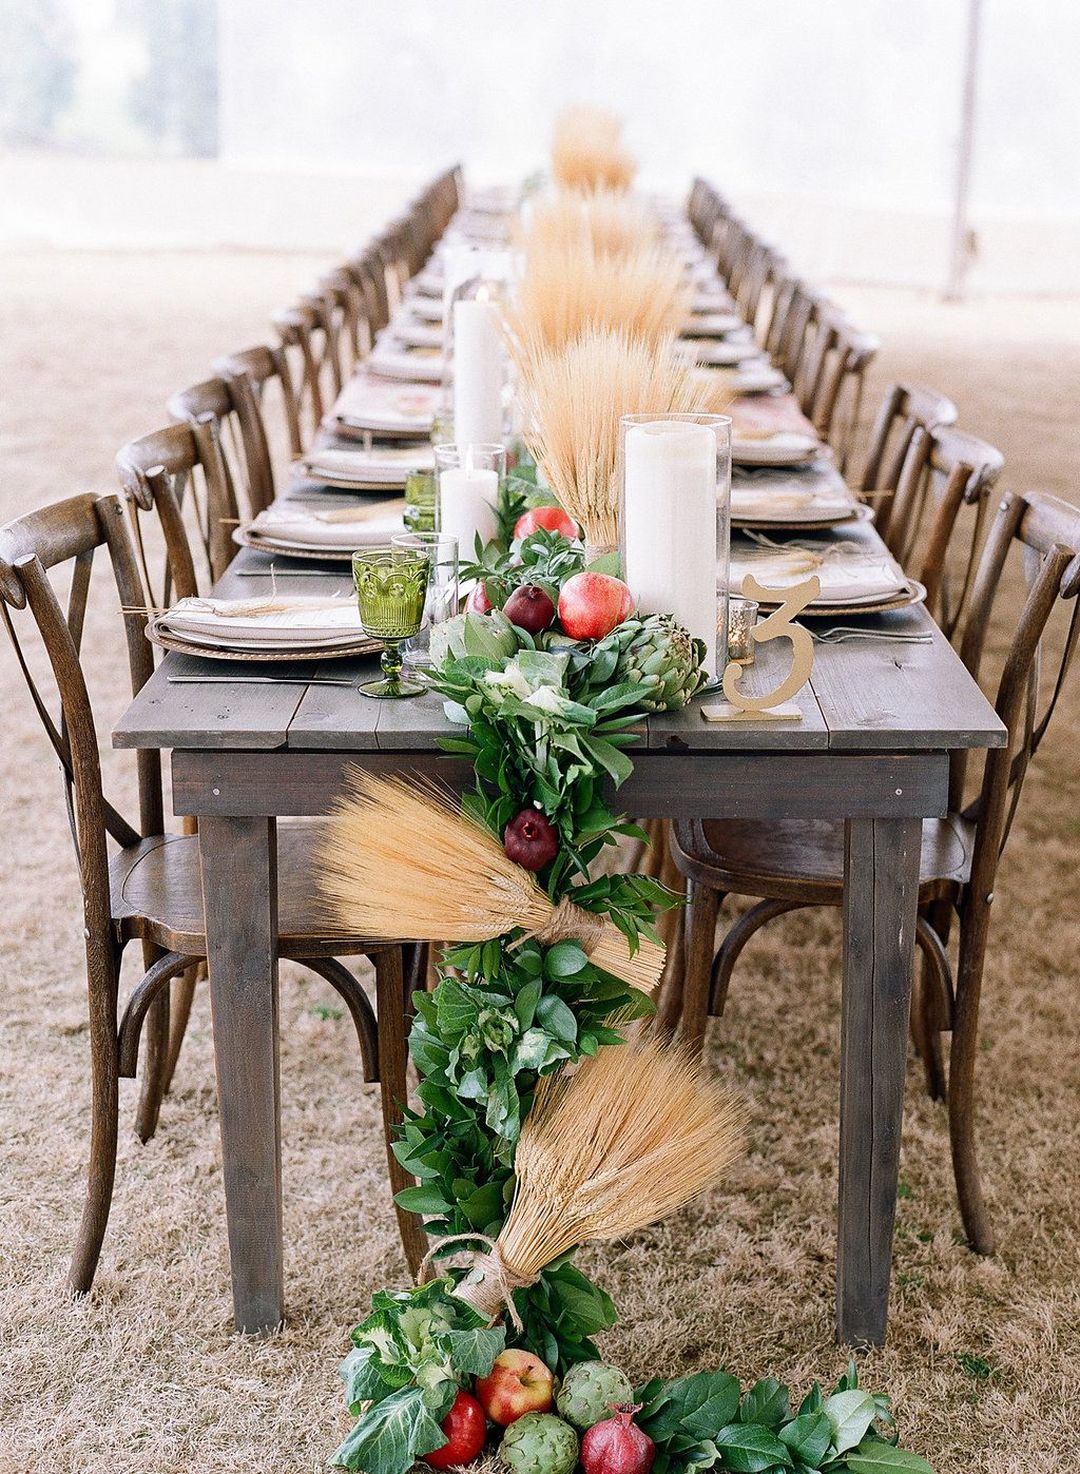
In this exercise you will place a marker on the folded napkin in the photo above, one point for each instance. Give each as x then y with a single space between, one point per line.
381 404
340 527
423 365
757 416
410 333
801 505
274 621
776 448
391 464
846 577
722 352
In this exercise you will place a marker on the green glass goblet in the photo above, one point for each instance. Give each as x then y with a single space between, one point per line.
391 588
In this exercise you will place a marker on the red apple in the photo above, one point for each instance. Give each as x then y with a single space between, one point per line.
478 601
592 604
553 518
517 1384
465 1429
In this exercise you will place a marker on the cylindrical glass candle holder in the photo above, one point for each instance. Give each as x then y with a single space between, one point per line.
419 514
675 521
742 615
467 493
442 590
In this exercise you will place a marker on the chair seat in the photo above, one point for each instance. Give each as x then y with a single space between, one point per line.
803 859
157 894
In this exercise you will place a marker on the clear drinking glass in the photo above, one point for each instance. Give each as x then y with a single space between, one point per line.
442 590
674 476
419 514
391 588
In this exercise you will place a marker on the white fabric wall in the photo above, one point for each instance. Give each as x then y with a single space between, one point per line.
834 124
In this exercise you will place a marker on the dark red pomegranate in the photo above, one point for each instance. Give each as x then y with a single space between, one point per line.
531 839
618 1445
529 608
478 601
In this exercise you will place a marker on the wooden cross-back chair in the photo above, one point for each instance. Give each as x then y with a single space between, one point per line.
347 319
268 412
147 890
790 864
830 387
366 270
945 473
904 409
309 338
244 459
181 469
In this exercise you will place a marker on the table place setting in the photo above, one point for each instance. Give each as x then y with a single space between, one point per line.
779 448
275 627
423 365
380 466
853 579
305 532
407 331
722 352
713 324
369 405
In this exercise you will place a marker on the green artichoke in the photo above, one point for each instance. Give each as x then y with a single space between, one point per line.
490 635
589 1391
539 1443
658 655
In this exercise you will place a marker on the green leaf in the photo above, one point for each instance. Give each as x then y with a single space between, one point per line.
767 1402
565 960
391 1435
850 1414
473 1352
423 1199
811 1403
696 1405
553 1013
875 1457
809 1437
361 1373
750 1448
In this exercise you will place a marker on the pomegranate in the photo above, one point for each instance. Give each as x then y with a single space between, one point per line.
531 840
618 1445
592 604
529 608
553 518
478 601
466 1428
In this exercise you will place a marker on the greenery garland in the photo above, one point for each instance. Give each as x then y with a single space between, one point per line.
545 726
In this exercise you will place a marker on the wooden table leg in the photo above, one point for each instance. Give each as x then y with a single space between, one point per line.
881 888
239 881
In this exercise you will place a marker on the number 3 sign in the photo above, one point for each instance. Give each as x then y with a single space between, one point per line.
778 625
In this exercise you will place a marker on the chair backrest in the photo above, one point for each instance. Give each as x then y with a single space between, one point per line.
904 409
347 318
830 377
1045 532
264 397
245 465
945 471
309 340
179 473
59 542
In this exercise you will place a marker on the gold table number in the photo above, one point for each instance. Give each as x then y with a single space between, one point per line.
778 625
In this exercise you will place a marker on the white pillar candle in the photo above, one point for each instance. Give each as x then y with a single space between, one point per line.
479 373
669 524
467 497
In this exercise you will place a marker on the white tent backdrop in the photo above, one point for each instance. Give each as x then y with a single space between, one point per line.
837 124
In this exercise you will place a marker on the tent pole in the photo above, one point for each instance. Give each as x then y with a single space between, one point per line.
962 246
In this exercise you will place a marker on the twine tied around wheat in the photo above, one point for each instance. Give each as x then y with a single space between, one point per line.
490 1284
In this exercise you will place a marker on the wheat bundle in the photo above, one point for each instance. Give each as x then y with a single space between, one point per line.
573 401
587 151
717 391
401 860
612 224
570 287
627 1137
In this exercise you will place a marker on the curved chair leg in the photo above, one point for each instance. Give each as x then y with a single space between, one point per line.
394 1013
183 996
702 909
103 967
143 997
156 1054
962 1080
735 940
931 1006
355 999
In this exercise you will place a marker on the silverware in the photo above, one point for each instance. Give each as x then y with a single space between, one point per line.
840 632
275 572
267 680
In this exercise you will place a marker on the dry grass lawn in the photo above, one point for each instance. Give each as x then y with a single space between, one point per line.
983 1355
